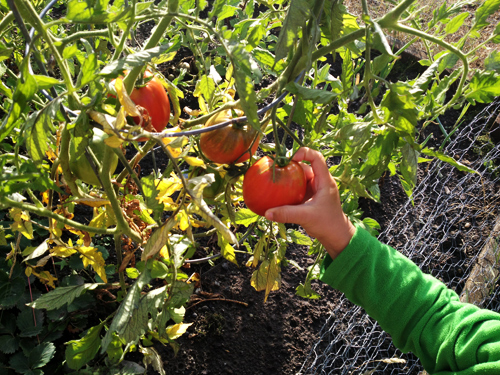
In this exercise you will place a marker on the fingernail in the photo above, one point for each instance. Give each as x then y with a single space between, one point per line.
269 215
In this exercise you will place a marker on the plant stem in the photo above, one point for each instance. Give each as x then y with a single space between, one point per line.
125 34
83 34
153 41
40 28
6 202
121 222
6 21
119 260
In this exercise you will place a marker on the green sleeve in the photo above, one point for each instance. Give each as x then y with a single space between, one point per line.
419 312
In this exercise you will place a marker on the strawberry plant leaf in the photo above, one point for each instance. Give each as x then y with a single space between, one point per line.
30 322
41 355
8 344
61 296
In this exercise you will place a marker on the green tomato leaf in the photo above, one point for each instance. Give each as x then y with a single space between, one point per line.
492 62
409 166
80 352
89 68
158 239
298 238
117 67
456 23
245 217
38 140
379 156
484 87
91 12
296 17
243 69
26 87
447 159
488 8
227 11
316 95
128 323
401 106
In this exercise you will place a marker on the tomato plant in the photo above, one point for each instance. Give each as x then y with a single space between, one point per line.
232 144
267 185
80 165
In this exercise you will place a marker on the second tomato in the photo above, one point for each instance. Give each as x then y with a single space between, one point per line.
153 97
229 144
261 192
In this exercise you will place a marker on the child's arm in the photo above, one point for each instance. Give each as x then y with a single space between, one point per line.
420 313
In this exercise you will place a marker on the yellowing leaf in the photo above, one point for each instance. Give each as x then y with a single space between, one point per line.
45 197
92 202
267 277
90 256
164 252
121 119
177 330
194 162
167 187
183 220
124 99
102 119
25 228
113 141
62 251
226 249
46 278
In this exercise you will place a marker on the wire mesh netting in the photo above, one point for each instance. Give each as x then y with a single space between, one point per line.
451 231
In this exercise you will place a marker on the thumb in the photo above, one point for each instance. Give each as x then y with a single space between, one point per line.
285 214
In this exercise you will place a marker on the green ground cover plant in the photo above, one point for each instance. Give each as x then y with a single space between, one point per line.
115 278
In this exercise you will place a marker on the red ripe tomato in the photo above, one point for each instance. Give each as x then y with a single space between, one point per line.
229 144
261 193
153 97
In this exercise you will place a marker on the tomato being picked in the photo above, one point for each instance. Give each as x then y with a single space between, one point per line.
80 165
261 193
229 144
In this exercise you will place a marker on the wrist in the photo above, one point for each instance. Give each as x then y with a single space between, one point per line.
340 238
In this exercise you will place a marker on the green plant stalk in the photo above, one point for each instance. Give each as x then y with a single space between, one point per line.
395 14
445 45
119 260
290 133
82 34
121 222
6 21
136 159
129 169
40 28
126 32
69 177
369 76
7 203
153 41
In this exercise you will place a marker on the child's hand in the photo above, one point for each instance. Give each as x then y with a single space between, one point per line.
321 215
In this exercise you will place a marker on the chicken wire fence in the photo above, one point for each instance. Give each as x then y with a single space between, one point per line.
451 231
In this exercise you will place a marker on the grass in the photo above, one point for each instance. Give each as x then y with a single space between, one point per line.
425 14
